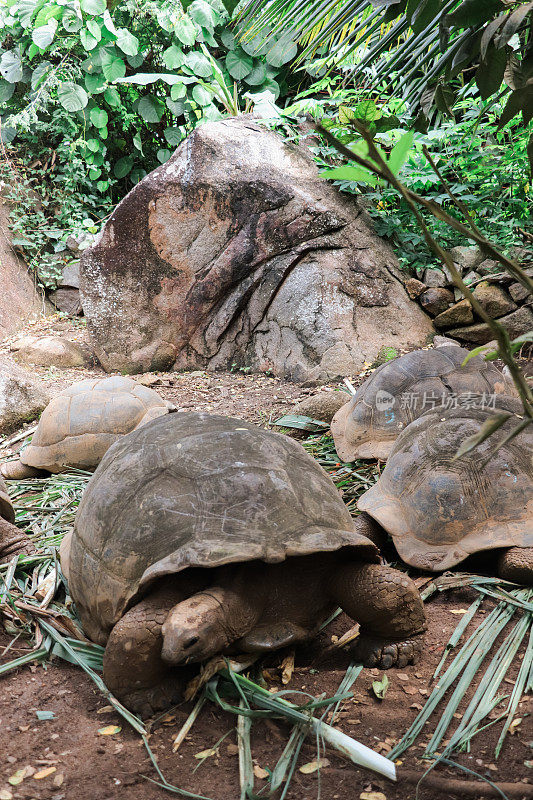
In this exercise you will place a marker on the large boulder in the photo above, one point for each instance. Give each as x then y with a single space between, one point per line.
19 300
22 397
236 252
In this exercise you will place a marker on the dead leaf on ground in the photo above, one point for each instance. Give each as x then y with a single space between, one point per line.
287 668
44 773
109 730
313 766
458 610
211 751
105 710
372 796
410 689
259 772
5 794
232 749
58 779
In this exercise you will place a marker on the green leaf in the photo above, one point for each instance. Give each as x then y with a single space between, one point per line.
138 143
44 715
176 107
230 5
173 136
301 422
228 39
530 154
151 108
71 96
112 97
473 12
238 64
400 151
186 31
283 50
102 186
40 73
128 43
94 83
519 100
380 687
88 40
422 13
489 74
11 66
93 7
201 95
93 145
98 117
94 173
71 21
173 57
123 167
163 155
52 11
348 173
199 64
6 90
177 91
114 69
94 29
203 14
257 76
44 35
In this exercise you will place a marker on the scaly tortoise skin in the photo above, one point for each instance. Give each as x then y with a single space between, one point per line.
77 427
439 511
369 424
200 534
12 540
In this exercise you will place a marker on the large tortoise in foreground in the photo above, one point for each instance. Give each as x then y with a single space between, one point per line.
199 534
81 422
401 390
439 509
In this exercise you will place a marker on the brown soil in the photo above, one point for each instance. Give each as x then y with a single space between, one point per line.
91 766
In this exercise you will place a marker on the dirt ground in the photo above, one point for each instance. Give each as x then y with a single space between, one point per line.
91 766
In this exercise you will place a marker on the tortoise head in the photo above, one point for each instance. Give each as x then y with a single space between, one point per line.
194 630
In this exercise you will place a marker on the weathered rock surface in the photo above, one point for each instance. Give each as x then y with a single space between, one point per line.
493 299
436 278
519 293
466 258
459 314
435 301
322 406
49 351
516 323
236 252
67 297
19 301
414 288
22 397
489 267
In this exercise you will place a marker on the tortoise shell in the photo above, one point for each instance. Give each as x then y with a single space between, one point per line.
6 508
77 427
439 510
402 389
197 490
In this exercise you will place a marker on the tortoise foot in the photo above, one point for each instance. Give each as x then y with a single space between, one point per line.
147 702
13 542
516 564
377 652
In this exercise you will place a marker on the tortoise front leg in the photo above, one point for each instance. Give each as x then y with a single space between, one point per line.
133 668
13 541
516 564
389 609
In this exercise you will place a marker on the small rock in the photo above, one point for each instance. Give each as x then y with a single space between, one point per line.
443 341
471 276
465 257
51 351
516 324
67 300
519 293
435 301
488 267
322 406
459 314
80 242
414 288
495 300
22 397
437 278
71 275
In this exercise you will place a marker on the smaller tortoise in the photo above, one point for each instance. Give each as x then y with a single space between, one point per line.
77 427
402 389
439 510
12 540
200 534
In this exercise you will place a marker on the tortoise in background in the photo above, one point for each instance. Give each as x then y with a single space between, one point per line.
402 389
439 510
199 534
77 427
12 540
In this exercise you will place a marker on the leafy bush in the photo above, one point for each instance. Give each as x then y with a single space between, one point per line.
108 94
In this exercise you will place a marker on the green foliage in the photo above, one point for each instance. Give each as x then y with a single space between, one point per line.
109 94
486 166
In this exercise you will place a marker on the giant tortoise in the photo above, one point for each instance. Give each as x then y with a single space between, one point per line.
81 422
12 540
402 389
200 534
440 509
